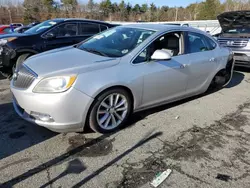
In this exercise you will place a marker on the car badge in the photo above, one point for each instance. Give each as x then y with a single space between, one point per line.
230 43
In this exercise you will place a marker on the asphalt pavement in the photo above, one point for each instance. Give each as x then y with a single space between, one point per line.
204 140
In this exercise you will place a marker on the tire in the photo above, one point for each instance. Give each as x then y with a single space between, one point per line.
219 80
117 116
4 75
20 60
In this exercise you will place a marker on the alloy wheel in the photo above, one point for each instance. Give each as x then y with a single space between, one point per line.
112 111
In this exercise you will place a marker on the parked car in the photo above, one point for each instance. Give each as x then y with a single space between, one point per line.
179 24
22 29
101 81
48 35
216 35
17 24
5 29
236 35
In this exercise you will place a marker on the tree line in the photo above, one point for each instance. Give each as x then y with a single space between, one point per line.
40 10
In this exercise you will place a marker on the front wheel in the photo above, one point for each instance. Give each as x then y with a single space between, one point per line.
110 111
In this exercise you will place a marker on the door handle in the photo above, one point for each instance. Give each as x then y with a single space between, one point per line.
183 66
212 59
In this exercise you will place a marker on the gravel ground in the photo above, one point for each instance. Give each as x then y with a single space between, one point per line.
205 140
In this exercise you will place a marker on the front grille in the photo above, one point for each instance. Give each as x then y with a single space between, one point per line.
238 43
23 78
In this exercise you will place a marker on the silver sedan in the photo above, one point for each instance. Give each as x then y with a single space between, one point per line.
101 81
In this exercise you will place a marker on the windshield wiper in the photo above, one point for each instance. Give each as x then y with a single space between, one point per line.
95 51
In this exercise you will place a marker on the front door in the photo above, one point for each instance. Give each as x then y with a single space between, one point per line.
164 80
65 34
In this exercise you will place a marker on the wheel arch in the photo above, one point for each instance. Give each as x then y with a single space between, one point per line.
223 72
220 71
24 51
100 92
127 89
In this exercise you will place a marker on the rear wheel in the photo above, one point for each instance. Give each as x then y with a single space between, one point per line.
110 111
220 79
223 77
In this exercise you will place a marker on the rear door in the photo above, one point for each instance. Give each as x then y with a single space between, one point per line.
201 61
87 29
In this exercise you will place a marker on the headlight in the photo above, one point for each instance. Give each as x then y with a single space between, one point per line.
5 40
54 84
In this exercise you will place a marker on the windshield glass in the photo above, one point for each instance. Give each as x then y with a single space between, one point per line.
237 30
116 42
42 26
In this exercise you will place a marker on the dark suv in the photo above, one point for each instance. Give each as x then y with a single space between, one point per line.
51 34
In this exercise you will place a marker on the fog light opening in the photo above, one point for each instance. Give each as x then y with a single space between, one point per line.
41 116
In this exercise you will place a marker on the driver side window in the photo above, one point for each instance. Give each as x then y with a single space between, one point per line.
170 42
65 30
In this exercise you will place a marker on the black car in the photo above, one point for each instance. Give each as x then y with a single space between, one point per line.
48 35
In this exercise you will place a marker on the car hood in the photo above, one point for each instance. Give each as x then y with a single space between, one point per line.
12 35
67 60
234 19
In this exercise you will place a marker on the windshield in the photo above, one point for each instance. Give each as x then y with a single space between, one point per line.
238 30
116 42
42 26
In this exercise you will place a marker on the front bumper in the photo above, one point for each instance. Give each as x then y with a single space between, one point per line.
242 58
68 109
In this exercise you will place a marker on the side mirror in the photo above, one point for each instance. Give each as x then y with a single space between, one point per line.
161 55
50 36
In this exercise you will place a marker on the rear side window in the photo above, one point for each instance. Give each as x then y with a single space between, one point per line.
103 27
7 30
89 29
196 43
211 43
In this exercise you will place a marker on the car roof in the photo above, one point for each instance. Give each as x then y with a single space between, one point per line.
80 19
162 27
4 26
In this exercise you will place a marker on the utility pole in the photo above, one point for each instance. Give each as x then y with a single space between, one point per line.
176 13
10 17
148 11
110 17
